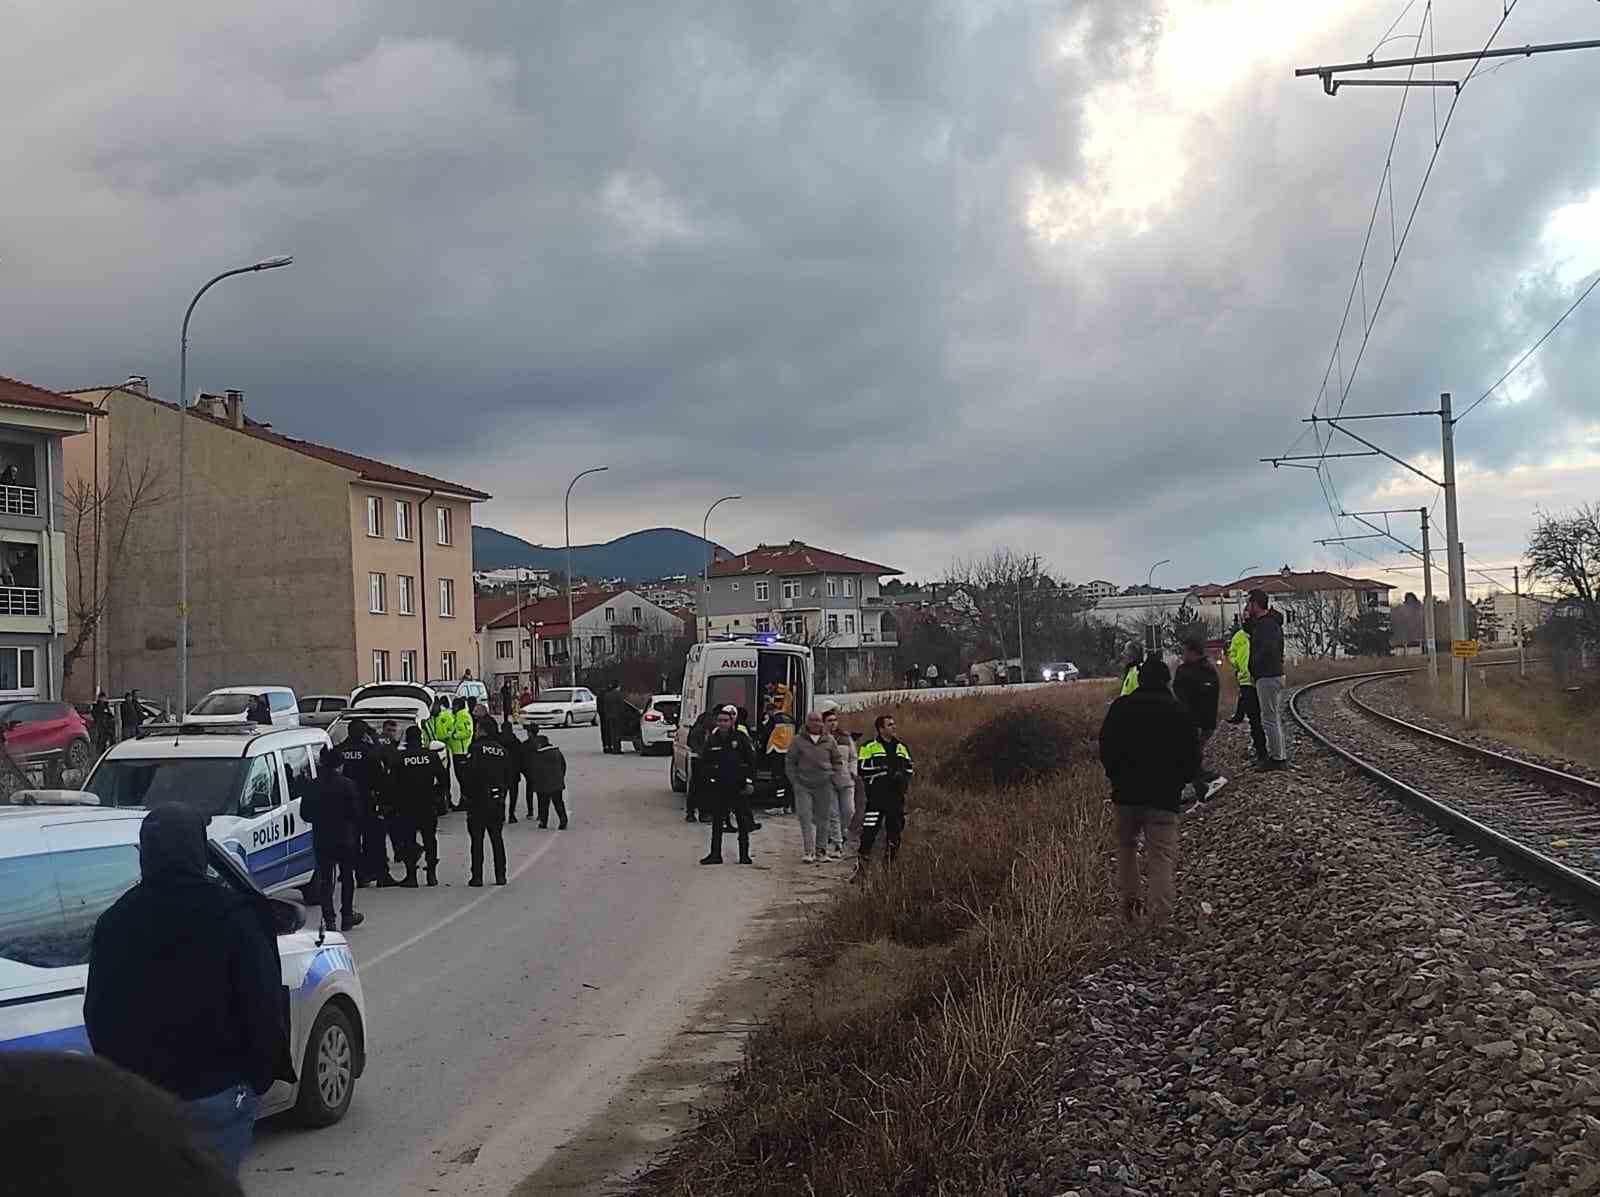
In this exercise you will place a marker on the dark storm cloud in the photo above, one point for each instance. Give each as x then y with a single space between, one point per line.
785 250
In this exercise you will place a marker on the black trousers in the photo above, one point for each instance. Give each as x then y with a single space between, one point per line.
511 795
374 862
527 790
1251 702
889 813
328 858
548 799
488 823
723 803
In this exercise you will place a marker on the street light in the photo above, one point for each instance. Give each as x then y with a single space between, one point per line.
1149 578
705 564
566 511
183 472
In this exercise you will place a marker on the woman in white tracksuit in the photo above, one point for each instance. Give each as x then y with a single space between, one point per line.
846 766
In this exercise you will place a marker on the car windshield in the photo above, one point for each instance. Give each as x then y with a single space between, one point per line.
668 707
223 704
209 785
556 696
339 729
392 690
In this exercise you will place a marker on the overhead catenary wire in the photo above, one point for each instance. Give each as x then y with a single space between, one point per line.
1532 349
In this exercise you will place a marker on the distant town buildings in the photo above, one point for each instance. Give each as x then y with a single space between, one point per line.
1098 590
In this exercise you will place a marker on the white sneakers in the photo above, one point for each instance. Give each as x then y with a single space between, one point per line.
808 858
1214 788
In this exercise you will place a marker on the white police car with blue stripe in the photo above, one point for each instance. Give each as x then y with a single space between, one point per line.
61 866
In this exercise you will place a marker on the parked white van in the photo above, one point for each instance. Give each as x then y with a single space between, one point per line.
736 671
247 779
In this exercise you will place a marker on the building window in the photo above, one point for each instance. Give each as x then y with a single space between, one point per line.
791 588
611 615
850 623
638 616
447 667
447 597
374 516
17 674
408 665
763 592
597 647
763 624
794 625
402 520
380 665
554 650
849 587
376 595
504 650
833 625
407 597
832 585
444 526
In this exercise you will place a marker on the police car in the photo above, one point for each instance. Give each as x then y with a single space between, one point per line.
247 779
62 866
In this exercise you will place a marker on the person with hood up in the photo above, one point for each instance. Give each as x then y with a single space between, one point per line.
333 808
1150 753
1266 669
185 985
545 769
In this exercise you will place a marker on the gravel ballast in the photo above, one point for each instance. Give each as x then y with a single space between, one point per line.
1347 1002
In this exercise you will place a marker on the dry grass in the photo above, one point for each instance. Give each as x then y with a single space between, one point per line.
907 1063
1534 713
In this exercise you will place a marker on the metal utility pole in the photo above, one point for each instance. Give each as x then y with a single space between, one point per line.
1455 561
1516 626
1430 632
1022 660
705 563
566 513
1332 85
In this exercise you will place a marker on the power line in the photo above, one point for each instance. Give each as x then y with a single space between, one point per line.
1532 349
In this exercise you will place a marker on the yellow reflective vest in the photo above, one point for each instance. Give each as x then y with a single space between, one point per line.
1130 680
1239 657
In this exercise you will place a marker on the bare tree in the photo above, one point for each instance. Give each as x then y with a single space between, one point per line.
1565 552
988 594
100 519
1314 620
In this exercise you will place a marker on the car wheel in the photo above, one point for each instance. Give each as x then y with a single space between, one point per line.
328 1072
567 722
679 786
78 754
638 745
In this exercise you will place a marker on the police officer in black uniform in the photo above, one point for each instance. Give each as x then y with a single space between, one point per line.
729 761
415 774
364 766
487 774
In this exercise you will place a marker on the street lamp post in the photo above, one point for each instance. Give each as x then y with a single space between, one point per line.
705 564
1152 636
183 473
566 512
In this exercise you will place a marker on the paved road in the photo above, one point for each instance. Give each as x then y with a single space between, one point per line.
505 1019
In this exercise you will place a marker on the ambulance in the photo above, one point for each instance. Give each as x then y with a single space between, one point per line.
742 671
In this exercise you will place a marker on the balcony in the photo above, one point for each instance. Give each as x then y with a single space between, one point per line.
19 500
20 600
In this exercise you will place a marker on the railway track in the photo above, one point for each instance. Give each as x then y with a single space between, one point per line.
1543 823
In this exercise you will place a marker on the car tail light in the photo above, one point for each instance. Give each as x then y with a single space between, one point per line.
652 716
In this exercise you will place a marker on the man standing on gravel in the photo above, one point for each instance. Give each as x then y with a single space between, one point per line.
1196 686
1150 753
1266 669
1248 706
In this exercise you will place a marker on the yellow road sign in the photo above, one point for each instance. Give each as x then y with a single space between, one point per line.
1463 648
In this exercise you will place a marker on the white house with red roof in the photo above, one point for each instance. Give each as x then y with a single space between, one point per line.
1314 603
608 626
814 596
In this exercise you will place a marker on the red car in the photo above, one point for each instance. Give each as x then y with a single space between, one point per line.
39 728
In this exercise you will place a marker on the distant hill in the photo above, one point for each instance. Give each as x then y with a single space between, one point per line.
638 556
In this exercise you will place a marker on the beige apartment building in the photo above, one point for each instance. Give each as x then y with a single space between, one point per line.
309 566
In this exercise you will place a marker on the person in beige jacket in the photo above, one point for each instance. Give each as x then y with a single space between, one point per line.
810 763
842 808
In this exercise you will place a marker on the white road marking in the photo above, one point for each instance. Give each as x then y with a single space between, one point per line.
454 915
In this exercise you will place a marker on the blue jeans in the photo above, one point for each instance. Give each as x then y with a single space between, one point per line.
225 1122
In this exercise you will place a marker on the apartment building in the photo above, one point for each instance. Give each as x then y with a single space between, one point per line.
34 425
309 566
814 596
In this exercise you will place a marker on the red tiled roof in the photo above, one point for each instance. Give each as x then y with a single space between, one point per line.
489 605
550 611
794 558
24 394
1312 580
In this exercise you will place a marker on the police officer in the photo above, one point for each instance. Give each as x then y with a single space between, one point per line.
333 808
729 760
488 769
414 785
363 764
442 727
462 730
886 774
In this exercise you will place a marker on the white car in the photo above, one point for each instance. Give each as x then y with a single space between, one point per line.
231 704
247 779
566 707
90 857
1059 671
658 723
393 696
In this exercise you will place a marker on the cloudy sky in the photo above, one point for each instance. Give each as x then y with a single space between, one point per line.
915 278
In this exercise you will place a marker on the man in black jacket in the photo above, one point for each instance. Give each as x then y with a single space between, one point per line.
1266 668
545 769
1149 750
488 768
185 986
333 808
415 774
728 761
364 766
613 717
1196 686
